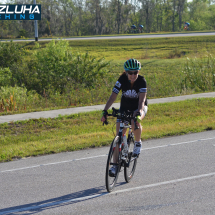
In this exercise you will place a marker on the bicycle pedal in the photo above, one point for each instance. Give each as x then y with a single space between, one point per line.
111 174
135 156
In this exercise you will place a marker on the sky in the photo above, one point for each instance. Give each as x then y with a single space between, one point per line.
3 1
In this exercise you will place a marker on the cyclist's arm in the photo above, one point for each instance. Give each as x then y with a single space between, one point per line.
115 92
110 101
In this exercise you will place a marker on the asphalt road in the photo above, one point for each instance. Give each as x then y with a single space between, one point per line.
67 111
174 175
126 37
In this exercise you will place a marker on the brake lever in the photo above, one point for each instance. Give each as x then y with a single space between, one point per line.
105 122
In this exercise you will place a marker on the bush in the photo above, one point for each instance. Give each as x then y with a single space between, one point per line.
199 74
198 25
11 55
57 68
23 33
12 98
50 76
5 77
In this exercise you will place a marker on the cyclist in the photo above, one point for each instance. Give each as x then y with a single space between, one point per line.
133 98
133 28
186 25
141 28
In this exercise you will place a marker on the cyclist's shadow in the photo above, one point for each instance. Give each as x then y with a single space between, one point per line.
69 199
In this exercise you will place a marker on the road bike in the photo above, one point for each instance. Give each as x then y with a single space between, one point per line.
186 28
129 163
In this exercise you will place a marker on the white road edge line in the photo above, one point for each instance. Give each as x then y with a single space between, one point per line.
11 170
156 147
102 194
167 182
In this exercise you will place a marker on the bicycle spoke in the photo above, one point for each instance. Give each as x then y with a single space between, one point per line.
111 179
131 163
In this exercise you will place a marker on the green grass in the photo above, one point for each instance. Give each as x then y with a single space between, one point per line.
162 59
74 132
144 48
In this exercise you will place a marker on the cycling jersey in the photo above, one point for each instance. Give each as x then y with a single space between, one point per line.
130 95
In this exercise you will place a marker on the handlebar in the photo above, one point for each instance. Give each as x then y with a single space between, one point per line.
127 115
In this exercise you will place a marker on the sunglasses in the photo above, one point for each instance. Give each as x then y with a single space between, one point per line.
131 73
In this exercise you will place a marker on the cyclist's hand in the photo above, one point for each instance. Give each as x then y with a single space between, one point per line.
104 115
138 119
139 116
103 119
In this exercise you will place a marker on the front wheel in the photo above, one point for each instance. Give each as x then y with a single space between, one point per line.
111 180
129 169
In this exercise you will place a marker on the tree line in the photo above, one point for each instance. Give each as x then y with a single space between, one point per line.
103 17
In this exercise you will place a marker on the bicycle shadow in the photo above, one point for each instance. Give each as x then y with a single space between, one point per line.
69 199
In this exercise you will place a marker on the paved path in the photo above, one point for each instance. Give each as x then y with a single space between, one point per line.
67 111
124 37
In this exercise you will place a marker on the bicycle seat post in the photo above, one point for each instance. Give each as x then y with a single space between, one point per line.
130 129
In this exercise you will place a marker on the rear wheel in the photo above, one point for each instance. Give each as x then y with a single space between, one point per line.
131 162
111 180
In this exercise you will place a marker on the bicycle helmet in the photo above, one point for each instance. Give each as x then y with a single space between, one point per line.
132 64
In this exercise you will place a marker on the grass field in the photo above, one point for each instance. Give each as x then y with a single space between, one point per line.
164 64
145 48
79 131
162 59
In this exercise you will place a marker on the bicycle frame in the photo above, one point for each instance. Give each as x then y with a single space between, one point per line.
120 135
122 126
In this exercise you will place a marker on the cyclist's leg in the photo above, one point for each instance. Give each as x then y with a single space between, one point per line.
137 134
138 143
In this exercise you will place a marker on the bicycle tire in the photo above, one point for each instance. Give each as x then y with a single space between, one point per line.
129 170
110 181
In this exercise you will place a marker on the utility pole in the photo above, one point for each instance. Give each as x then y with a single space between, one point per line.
35 27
